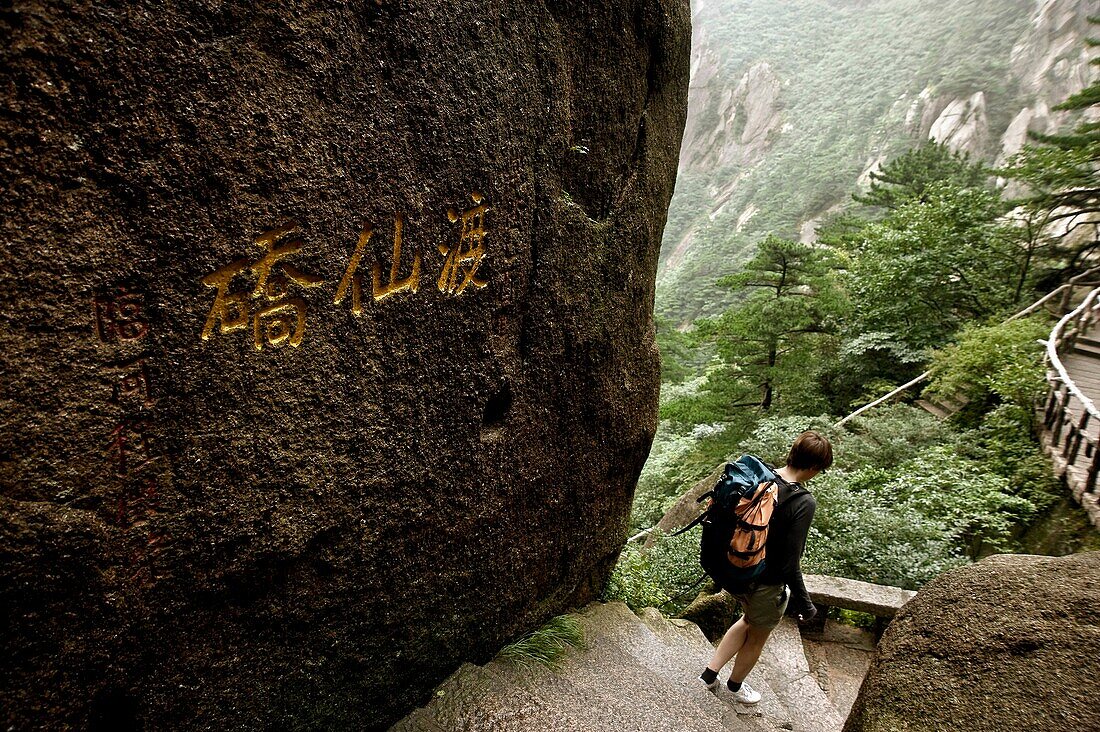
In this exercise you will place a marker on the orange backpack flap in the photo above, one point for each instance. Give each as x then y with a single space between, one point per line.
750 534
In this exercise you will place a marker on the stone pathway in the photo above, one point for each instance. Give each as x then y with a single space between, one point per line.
640 675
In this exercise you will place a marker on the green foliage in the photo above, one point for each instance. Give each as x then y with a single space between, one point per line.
1004 361
657 577
887 436
679 354
868 365
862 533
902 526
546 646
772 438
852 617
770 340
1005 444
975 507
933 264
908 177
860 529
722 393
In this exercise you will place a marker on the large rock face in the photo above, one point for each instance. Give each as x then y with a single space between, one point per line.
328 354
1010 643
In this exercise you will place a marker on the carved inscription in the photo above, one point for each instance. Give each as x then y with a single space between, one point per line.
129 451
464 258
276 316
132 385
379 291
276 313
121 318
395 285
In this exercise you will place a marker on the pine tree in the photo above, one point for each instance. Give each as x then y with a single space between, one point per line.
1062 175
772 337
907 177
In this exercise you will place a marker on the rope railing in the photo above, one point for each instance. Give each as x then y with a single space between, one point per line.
1082 316
1066 291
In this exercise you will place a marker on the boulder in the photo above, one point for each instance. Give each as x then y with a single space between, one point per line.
714 611
329 360
1012 642
686 509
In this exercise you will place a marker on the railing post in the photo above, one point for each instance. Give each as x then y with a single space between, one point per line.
1052 402
1067 298
1052 406
1090 480
1074 442
1063 407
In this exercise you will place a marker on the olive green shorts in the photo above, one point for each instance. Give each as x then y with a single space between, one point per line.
764 606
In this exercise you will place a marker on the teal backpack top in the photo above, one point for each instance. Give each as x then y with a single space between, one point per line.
739 481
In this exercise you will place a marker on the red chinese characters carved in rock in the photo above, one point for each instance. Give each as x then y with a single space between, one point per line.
120 318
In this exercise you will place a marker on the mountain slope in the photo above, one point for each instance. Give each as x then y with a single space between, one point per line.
793 102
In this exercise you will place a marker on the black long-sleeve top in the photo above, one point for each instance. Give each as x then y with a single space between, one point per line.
787 532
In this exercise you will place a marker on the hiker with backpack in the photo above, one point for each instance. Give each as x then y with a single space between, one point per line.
754 534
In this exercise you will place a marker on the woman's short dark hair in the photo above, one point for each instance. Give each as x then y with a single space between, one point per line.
811 451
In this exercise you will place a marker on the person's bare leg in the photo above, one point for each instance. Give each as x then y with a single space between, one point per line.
749 653
730 644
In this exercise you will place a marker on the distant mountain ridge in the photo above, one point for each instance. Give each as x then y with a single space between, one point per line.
793 103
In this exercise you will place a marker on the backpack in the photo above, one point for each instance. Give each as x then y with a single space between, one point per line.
735 523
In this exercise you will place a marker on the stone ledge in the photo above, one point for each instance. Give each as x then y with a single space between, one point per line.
879 600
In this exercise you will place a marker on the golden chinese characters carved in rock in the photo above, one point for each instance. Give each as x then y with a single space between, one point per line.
463 259
276 317
352 280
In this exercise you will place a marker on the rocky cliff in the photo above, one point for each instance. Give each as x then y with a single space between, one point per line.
328 351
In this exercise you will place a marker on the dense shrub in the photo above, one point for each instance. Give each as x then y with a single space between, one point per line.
661 576
1002 362
861 531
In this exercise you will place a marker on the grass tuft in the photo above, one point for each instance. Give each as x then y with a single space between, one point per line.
547 645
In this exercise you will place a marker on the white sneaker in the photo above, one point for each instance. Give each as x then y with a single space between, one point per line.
746 694
712 687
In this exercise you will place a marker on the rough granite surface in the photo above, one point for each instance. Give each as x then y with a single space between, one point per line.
329 360
1009 643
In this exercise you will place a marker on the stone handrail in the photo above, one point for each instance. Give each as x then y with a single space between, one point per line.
881 601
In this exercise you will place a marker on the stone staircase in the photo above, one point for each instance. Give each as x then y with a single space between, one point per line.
640 675
942 407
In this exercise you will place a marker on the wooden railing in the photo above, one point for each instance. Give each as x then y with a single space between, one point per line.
1071 419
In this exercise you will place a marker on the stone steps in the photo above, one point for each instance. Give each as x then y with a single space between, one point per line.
634 675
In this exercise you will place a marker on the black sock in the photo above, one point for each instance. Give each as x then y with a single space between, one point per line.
733 685
708 676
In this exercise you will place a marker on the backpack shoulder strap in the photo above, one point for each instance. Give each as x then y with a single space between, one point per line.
788 491
695 522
